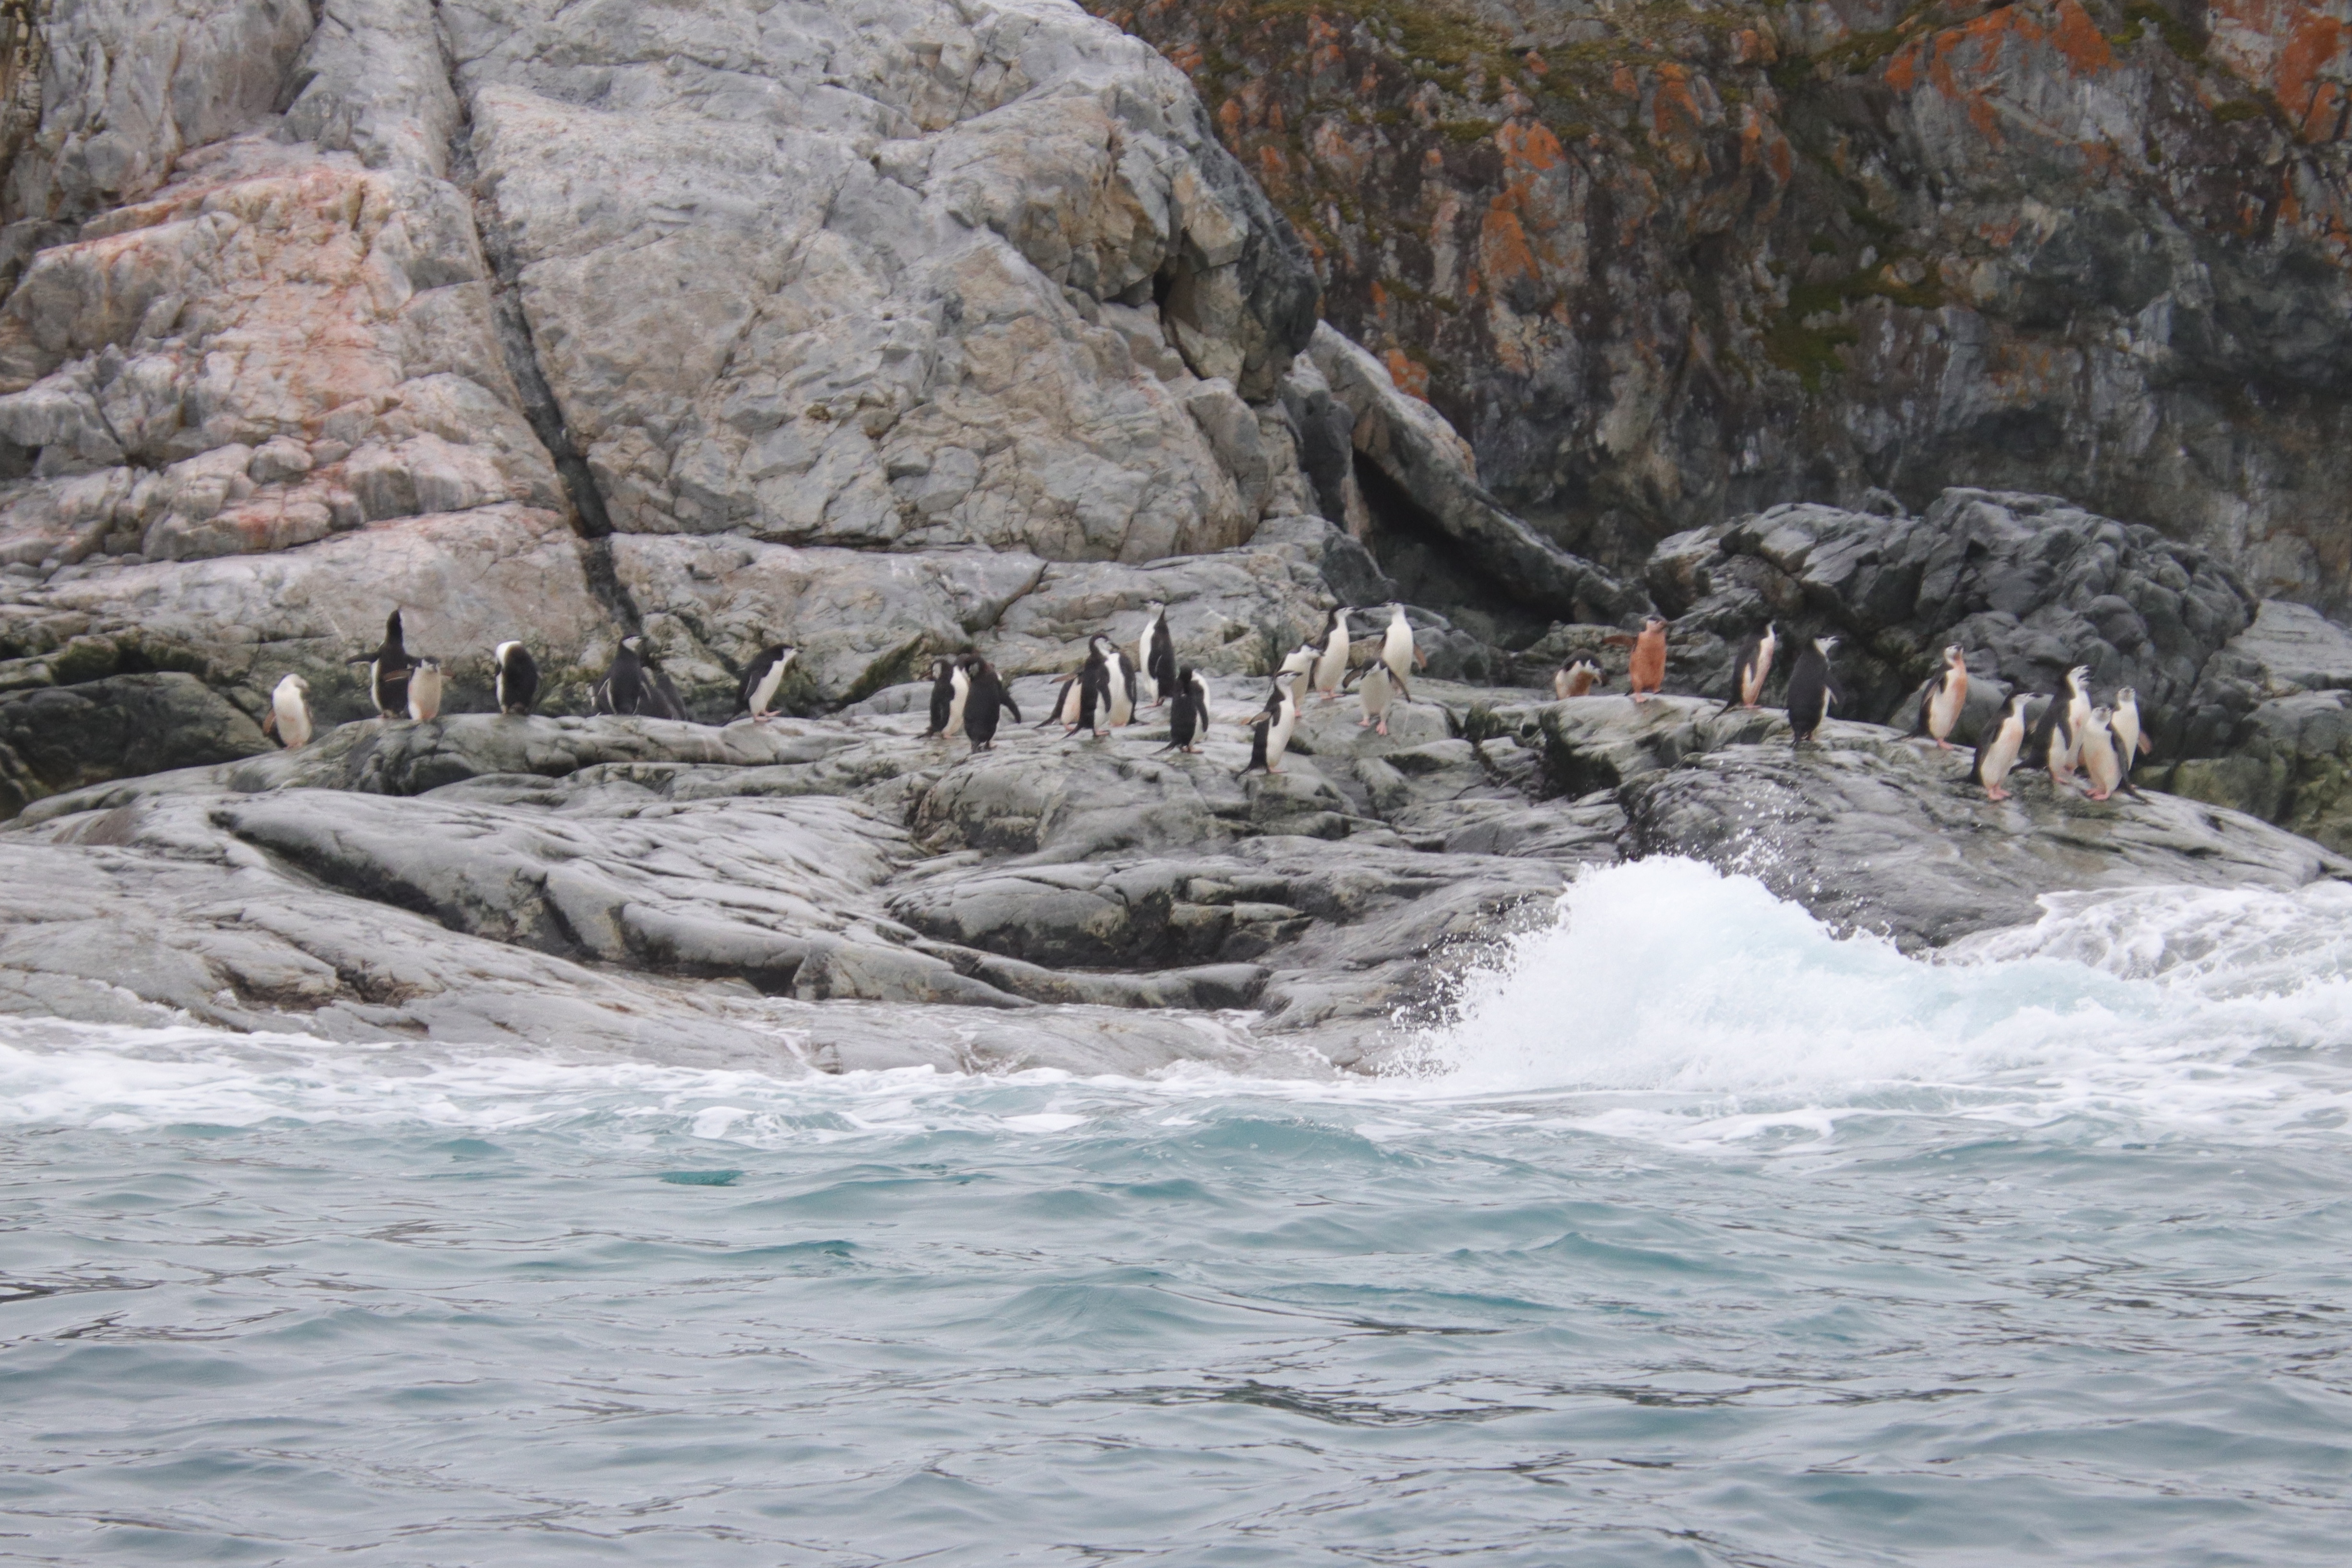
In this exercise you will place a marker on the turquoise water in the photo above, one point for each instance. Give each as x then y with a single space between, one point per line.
1700 1238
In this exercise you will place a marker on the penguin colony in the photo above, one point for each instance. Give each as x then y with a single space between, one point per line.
2071 736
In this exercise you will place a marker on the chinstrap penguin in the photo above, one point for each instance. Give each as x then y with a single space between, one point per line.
1942 698
757 694
424 690
1187 712
629 687
1272 728
2097 749
1812 690
986 697
1398 651
1998 747
289 718
1755 668
2131 740
516 681
1575 679
1645 668
1331 665
1374 693
388 669
1155 658
942 676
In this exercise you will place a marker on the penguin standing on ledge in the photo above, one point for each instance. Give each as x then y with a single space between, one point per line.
1155 658
2100 764
1373 694
1755 668
1997 750
942 676
1941 700
289 718
757 694
1274 726
518 679
625 690
1397 650
1095 685
424 690
1812 690
1646 666
1188 712
1119 672
1332 663
1575 679
388 669
2131 740
985 697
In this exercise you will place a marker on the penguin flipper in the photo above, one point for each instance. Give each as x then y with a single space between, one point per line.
1010 706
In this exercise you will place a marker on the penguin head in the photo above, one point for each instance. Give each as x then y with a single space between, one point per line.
1156 609
1823 644
2127 698
392 627
2099 717
1655 623
295 684
2078 679
1953 655
633 642
432 664
504 651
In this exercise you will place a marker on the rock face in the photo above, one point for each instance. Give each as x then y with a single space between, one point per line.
886 330
1666 265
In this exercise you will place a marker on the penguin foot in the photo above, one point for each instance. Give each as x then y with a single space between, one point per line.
1992 794
1383 729
1943 745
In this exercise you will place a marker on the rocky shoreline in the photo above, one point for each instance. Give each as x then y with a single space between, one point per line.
891 330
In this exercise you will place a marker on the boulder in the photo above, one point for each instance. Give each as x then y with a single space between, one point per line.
57 738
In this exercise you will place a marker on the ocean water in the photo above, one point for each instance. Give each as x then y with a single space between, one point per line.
1697 1237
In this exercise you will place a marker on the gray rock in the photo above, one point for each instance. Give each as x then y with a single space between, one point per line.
58 738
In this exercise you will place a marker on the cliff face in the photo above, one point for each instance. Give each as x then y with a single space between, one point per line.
1666 263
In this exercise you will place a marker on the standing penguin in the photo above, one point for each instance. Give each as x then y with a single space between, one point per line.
1197 684
1119 672
942 676
2057 739
2100 765
1812 690
1575 679
517 684
1941 699
1068 698
289 713
1646 666
2131 740
388 669
1374 693
987 696
2078 708
1755 668
1332 663
1155 657
757 694
1996 749
1397 650
1186 711
1274 726
424 690
1092 690
623 688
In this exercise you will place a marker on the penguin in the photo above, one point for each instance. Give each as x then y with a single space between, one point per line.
1375 693
2049 741
2078 708
1941 699
1094 680
2097 748
289 718
987 696
424 690
1068 697
1119 672
1397 650
1332 663
1186 711
2131 741
1996 749
1813 689
623 688
1647 666
942 676
757 694
1274 726
388 669
517 684
1155 657
1754 668
1575 679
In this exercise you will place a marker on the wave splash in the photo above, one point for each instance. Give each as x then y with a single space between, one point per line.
1666 978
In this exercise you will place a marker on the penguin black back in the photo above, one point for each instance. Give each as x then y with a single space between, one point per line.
1812 690
1183 715
388 670
942 695
518 679
2051 727
1162 666
756 693
983 704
